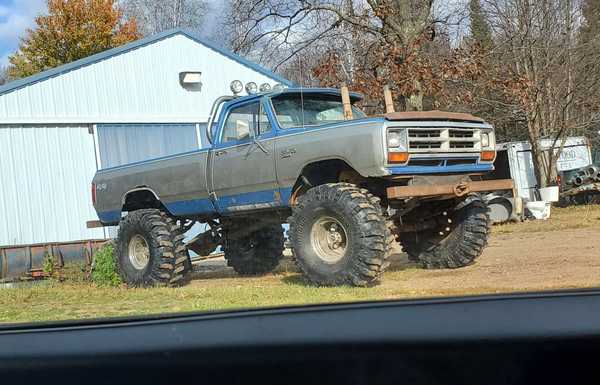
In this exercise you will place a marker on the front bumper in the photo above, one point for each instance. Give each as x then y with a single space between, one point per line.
440 169
451 189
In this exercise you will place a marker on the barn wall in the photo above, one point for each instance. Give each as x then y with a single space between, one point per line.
47 156
121 144
45 176
141 85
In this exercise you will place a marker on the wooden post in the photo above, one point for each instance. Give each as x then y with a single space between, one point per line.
346 103
389 101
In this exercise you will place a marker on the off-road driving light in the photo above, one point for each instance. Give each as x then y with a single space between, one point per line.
236 87
397 157
278 87
265 87
485 140
487 156
251 88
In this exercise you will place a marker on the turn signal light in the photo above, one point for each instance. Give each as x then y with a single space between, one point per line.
397 157
487 156
93 193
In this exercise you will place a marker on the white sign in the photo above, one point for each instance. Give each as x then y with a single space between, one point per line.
573 157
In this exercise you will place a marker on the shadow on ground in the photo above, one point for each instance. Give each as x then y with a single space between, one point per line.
217 268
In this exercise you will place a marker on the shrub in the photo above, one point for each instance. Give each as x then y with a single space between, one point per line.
72 271
104 267
48 265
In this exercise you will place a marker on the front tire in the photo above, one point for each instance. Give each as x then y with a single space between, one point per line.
339 236
150 250
459 247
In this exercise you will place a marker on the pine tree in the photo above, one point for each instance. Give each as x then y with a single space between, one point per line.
480 30
71 30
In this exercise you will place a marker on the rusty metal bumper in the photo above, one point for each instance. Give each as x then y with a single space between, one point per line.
457 189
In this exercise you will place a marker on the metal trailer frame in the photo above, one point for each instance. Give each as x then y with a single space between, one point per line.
27 261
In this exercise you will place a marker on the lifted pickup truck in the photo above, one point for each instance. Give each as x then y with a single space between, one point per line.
347 188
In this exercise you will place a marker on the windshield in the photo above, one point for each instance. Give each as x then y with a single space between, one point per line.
296 110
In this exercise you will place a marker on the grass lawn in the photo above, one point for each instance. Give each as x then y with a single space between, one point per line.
63 301
51 300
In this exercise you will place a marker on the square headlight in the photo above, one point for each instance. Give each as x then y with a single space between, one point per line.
396 139
485 140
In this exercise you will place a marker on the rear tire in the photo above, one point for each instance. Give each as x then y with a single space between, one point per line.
340 236
150 250
256 253
460 247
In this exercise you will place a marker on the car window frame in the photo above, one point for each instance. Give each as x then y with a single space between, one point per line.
264 109
252 132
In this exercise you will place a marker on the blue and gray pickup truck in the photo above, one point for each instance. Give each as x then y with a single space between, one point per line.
347 187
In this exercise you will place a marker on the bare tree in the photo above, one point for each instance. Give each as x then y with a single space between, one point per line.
275 32
157 16
545 66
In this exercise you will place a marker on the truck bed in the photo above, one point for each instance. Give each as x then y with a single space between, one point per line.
178 181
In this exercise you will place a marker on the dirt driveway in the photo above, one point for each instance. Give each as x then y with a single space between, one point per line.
514 261
521 262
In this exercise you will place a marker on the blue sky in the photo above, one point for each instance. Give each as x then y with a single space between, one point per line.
15 17
18 15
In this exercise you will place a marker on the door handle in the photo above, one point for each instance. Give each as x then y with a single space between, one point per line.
220 152
262 148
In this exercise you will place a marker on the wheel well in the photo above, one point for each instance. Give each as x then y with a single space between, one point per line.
142 199
324 171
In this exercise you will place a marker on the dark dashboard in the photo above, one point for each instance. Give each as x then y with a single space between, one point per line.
521 338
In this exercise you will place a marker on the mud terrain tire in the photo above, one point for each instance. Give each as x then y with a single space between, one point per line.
257 253
339 236
150 250
460 247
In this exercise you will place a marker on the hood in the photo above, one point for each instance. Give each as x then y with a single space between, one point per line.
432 115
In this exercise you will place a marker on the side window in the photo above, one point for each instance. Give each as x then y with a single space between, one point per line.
264 125
240 122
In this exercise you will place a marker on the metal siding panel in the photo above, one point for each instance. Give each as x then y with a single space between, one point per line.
44 192
141 85
127 143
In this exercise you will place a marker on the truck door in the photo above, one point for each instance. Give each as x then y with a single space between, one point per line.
243 163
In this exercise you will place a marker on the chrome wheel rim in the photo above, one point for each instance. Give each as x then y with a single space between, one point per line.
329 239
139 252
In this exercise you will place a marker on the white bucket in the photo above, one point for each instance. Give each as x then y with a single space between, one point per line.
549 194
539 209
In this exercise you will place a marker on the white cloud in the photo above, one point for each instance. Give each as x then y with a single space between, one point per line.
14 20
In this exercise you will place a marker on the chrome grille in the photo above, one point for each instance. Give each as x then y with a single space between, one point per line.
460 134
424 133
443 139
424 145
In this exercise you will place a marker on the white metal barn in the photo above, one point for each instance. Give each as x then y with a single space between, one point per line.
120 106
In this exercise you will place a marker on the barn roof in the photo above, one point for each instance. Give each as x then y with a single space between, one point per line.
57 71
